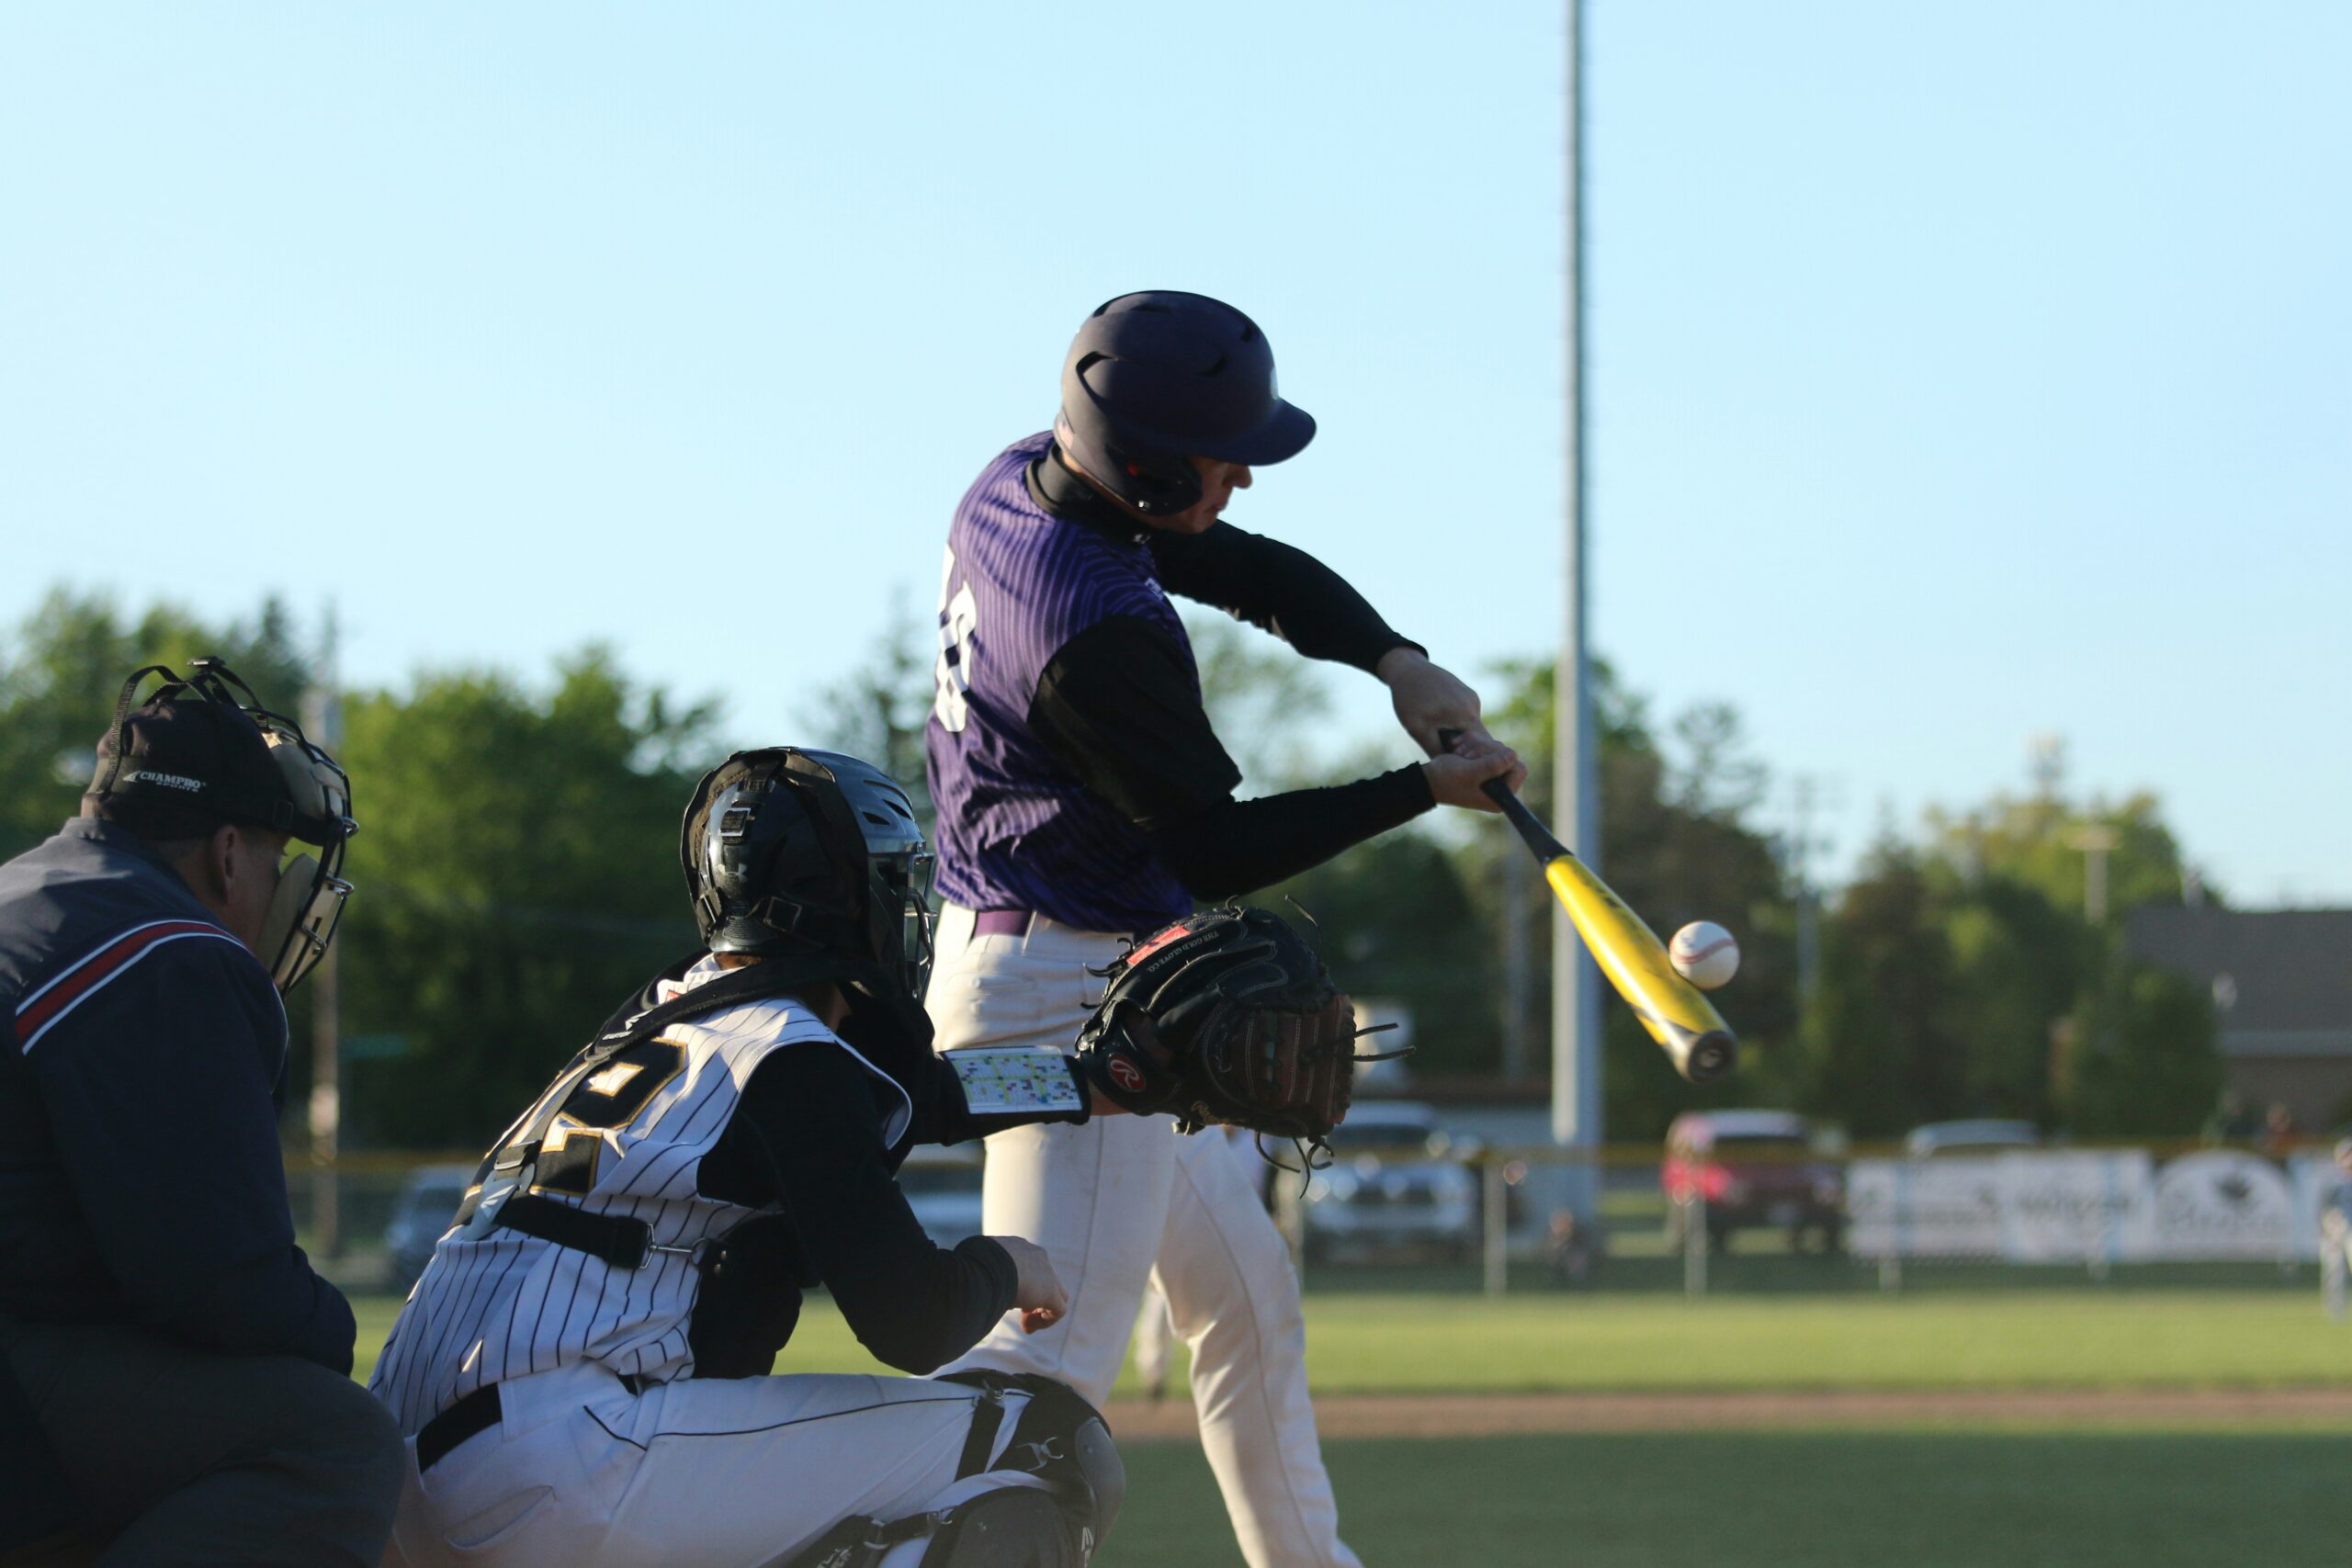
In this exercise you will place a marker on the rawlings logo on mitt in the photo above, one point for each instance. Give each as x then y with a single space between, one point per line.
1226 1018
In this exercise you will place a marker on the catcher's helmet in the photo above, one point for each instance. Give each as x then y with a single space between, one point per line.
1155 377
790 851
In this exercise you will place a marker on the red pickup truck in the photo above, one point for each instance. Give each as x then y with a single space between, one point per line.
1751 1170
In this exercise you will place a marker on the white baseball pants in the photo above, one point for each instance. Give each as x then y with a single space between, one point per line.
719 1473
1123 1200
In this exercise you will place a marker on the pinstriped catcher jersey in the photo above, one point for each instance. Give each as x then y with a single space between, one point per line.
495 1303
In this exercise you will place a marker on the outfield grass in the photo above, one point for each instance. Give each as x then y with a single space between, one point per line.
1922 1498
2047 1338
1919 1500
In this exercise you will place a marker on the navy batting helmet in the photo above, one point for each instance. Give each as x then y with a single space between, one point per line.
1155 377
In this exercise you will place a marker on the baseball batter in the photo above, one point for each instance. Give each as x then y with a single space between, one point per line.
1083 798
582 1368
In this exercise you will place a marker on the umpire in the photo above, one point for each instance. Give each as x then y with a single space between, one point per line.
1083 798
174 1377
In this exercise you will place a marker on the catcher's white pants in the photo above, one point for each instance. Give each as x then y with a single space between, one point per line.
1123 1200
719 1473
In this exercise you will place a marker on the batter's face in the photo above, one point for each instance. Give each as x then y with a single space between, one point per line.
1219 480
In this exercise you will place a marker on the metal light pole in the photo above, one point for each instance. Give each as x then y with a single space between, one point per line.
2096 841
1575 984
1518 967
323 721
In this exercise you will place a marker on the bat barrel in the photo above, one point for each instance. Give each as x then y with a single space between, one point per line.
1678 1017
1710 1055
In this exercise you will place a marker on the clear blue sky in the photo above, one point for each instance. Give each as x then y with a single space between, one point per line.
1956 372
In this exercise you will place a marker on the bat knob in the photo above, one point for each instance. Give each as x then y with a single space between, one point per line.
1711 1055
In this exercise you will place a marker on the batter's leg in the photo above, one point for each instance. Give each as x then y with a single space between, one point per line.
1094 1197
1234 1297
1154 1338
2334 1253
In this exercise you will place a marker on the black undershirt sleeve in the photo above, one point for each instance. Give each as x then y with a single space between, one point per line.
1238 846
1119 706
1278 588
818 1116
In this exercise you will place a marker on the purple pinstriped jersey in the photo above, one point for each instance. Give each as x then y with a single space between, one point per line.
1016 830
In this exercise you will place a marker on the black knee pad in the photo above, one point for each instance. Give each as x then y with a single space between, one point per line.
1013 1526
1017 1528
1060 1438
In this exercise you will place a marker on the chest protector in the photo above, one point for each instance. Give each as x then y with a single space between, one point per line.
894 1036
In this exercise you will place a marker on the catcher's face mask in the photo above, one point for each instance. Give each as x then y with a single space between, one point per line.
902 879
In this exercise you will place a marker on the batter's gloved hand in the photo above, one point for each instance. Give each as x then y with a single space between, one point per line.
1225 1018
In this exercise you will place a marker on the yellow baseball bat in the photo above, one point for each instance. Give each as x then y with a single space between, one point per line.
1678 1015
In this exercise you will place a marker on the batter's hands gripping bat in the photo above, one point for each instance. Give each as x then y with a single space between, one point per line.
1681 1020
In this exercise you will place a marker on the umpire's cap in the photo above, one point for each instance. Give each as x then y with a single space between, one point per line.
1157 377
193 757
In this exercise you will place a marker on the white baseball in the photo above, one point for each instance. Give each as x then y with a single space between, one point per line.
1704 954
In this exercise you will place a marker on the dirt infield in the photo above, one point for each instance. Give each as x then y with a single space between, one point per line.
1486 1414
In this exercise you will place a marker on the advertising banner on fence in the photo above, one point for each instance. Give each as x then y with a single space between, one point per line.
2062 1206
2221 1203
2065 1208
1948 1208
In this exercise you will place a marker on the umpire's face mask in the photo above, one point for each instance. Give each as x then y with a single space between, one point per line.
311 888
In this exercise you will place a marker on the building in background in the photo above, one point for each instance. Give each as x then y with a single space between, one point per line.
2282 983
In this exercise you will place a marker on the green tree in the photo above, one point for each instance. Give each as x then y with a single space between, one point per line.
1965 977
2046 843
1678 845
1884 1055
2136 1057
1267 705
61 671
517 876
1394 920
877 710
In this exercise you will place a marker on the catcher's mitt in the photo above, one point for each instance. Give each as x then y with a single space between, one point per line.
1224 1017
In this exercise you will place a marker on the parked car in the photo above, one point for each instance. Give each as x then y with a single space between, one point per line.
1395 1184
1755 1170
943 1186
1984 1136
428 1201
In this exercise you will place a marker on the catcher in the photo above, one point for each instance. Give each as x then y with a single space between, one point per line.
582 1370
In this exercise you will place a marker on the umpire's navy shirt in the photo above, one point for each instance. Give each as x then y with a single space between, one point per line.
141 1077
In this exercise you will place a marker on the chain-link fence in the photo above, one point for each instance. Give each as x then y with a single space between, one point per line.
1429 1215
